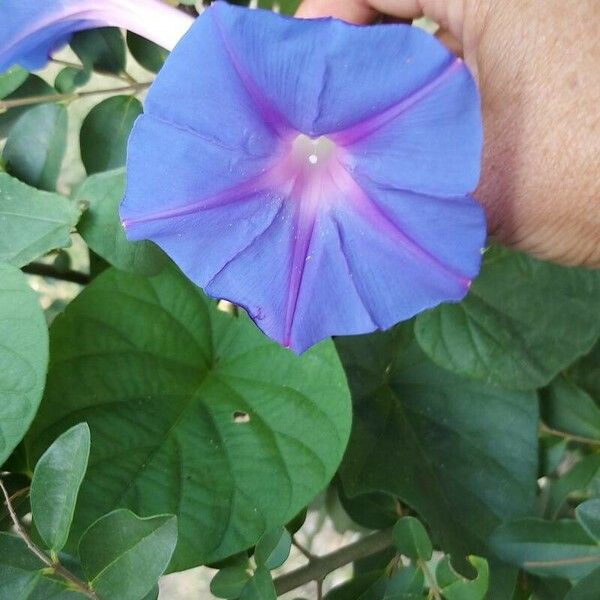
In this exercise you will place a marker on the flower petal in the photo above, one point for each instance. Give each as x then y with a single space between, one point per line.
428 143
175 196
324 75
32 29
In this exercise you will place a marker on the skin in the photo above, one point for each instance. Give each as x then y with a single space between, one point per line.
537 64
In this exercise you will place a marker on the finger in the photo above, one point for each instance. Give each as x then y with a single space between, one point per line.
359 11
454 45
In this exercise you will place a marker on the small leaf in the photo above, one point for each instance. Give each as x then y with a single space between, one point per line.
70 78
273 548
123 556
566 407
105 131
229 582
148 54
23 357
102 49
36 146
32 222
578 477
260 586
32 86
588 515
585 373
411 539
19 568
376 510
405 584
456 587
522 323
55 485
101 227
10 80
548 548
587 588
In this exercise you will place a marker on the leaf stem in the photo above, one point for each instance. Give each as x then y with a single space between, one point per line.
568 436
434 590
319 567
304 551
44 270
56 567
134 87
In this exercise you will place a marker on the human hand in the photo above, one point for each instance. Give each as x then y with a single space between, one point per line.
537 66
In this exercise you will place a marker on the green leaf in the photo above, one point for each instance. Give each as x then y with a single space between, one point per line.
568 408
462 454
406 584
32 222
588 515
503 581
148 54
577 478
229 582
353 588
101 227
21 574
259 587
551 454
105 131
456 587
192 411
376 510
411 539
36 145
585 373
102 49
273 548
70 78
522 322
11 80
123 556
32 86
547 548
586 589
55 485
23 357
19 568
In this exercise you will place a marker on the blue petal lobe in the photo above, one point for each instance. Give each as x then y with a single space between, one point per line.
324 75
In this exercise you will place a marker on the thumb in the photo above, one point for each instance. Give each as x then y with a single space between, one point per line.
359 11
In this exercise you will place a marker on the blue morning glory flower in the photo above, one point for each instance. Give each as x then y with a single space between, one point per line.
313 172
30 30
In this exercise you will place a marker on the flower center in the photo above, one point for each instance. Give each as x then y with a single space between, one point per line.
312 152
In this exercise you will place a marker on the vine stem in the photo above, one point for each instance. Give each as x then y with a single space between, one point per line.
56 567
318 568
134 87
433 588
568 436
44 270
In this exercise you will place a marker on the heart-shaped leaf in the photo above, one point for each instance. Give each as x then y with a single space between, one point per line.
461 453
192 412
523 321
